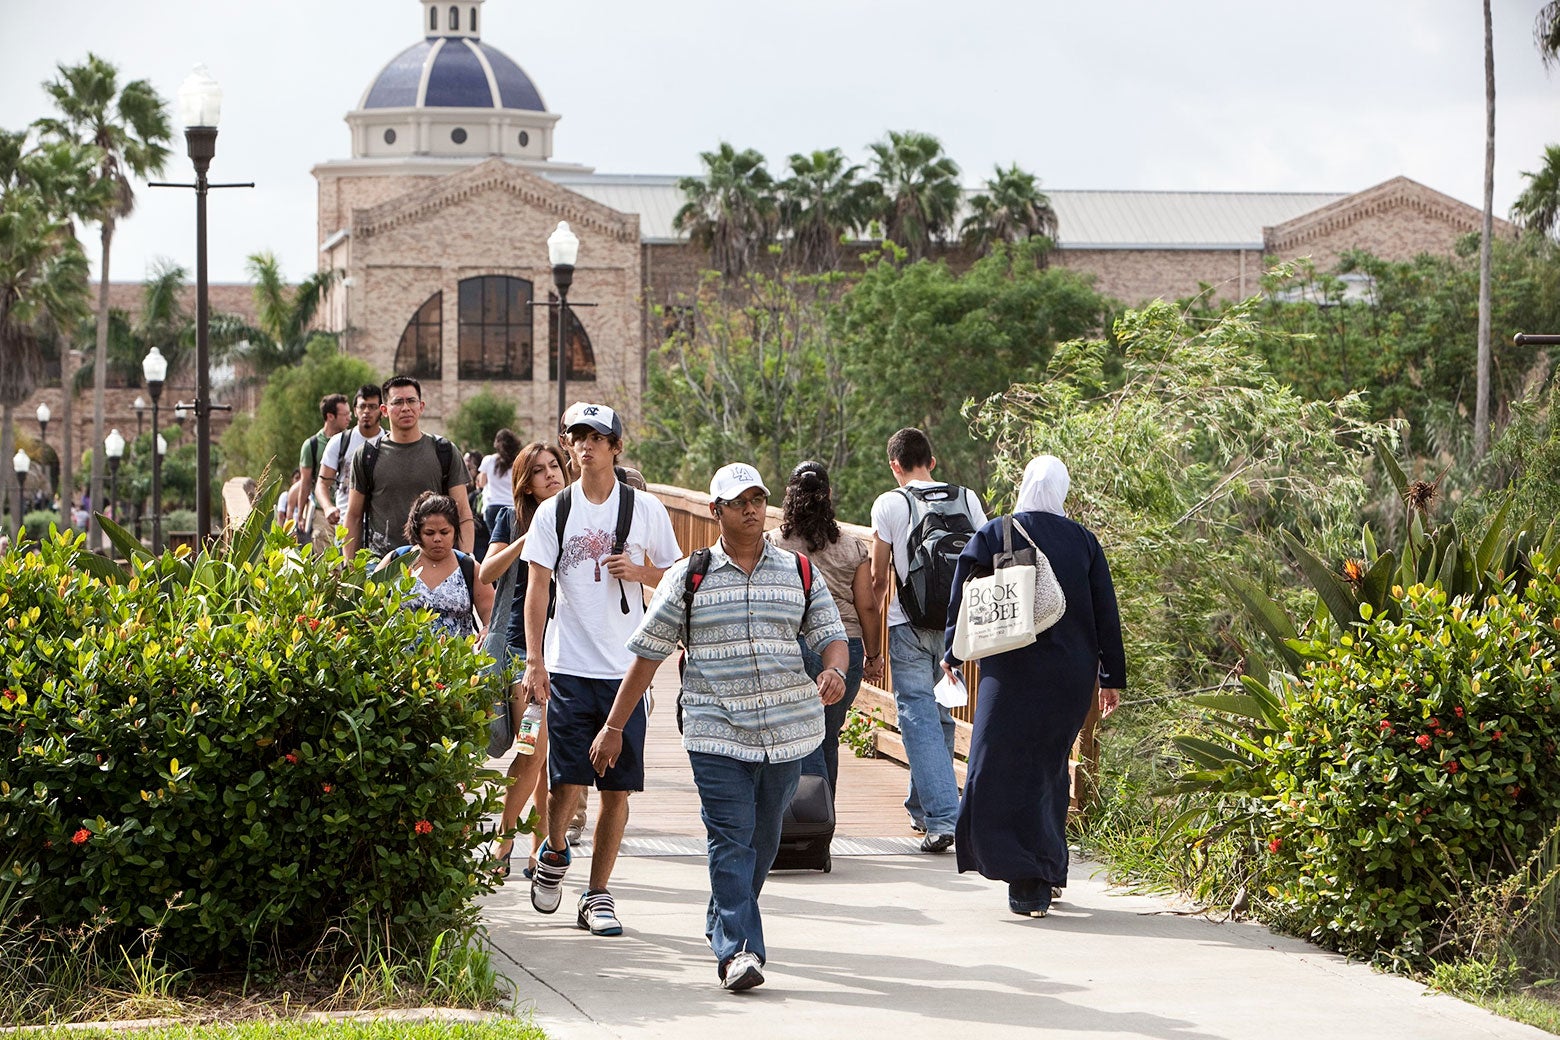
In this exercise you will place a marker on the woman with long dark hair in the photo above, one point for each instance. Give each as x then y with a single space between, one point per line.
538 470
808 526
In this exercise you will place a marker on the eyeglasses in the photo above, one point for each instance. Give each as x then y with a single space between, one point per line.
757 500
405 402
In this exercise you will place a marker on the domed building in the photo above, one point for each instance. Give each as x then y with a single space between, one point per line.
440 222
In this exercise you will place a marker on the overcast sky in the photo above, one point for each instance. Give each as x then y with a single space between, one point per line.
1234 95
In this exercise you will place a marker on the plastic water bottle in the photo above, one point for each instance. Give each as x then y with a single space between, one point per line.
530 727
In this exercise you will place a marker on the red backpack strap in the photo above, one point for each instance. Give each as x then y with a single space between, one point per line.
804 569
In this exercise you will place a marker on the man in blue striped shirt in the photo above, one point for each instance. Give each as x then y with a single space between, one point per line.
750 713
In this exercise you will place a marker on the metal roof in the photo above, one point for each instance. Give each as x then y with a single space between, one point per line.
1085 219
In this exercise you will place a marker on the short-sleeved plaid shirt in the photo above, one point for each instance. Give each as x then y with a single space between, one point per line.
746 694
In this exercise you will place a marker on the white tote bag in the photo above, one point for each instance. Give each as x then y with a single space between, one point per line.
997 613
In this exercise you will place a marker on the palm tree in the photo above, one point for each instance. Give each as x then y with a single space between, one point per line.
1481 406
1538 207
730 211
285 316
130 129
1011 209
919 189
1546 33
162 322
820 203
43 272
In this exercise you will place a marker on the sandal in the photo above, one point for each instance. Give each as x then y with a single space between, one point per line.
501 863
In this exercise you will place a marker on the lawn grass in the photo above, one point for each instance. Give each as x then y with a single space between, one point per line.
333 1029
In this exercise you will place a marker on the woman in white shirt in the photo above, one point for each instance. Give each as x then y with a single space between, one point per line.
498 471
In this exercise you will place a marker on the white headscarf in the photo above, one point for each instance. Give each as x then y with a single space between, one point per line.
1045 486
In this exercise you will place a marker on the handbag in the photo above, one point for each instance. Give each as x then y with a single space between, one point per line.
997 610
1050 601
1008 608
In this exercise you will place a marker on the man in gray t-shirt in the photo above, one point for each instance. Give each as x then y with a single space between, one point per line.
406 463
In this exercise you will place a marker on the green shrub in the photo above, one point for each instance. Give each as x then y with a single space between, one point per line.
226 757
1418 763
180 520
35 525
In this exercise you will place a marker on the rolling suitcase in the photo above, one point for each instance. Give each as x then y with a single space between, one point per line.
808 827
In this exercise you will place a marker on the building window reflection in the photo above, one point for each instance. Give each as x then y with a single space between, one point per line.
495 328
420 353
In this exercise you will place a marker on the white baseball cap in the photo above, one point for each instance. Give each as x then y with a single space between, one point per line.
733 479
597 416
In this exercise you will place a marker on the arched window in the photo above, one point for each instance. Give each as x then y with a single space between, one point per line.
433 19
473 19
582 358
454 19
421 351
495 328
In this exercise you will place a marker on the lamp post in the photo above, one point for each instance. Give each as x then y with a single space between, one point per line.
155 369
563 249
114 450
21 463
200 107
140 413
181 413
44 415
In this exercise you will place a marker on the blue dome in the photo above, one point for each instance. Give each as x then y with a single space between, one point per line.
457 77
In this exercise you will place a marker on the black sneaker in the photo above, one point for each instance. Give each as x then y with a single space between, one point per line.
917 827
937 843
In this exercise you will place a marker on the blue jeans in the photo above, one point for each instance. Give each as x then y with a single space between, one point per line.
925 726
826 760
742 805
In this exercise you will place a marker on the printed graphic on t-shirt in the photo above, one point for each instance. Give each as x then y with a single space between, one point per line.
588 547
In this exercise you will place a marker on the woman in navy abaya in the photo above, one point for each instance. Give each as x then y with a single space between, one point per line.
1033 701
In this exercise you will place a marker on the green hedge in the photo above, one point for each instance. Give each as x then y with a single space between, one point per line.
1418 763
225 758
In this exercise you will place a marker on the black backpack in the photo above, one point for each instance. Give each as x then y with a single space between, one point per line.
940 528
625 519
698 567
370 456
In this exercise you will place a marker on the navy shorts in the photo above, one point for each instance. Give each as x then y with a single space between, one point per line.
576 711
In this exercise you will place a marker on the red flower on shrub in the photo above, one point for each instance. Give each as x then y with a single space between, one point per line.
300 619
1423 740
1452 766
327 788
1435 723
81 837
438 686
9 695
1459 712
1497 735
423 827
1274 844
291 758
314 624
1386 727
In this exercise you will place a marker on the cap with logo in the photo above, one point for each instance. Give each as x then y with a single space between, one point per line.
596 416
731 480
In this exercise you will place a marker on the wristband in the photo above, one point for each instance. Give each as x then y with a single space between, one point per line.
839 672
615 729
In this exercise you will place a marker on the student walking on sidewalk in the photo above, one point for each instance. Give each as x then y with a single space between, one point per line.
750 714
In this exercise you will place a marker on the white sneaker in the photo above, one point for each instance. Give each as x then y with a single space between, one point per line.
743 972
598 914
547 878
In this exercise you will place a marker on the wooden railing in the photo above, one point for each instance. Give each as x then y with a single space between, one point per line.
695 527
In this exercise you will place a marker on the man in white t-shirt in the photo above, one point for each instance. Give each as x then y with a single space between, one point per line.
914 652
599 604
333 489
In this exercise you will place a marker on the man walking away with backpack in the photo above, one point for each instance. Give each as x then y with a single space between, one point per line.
333 488
750 714
919 530
601 543
387 477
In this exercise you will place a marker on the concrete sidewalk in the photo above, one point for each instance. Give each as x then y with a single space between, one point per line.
902 947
